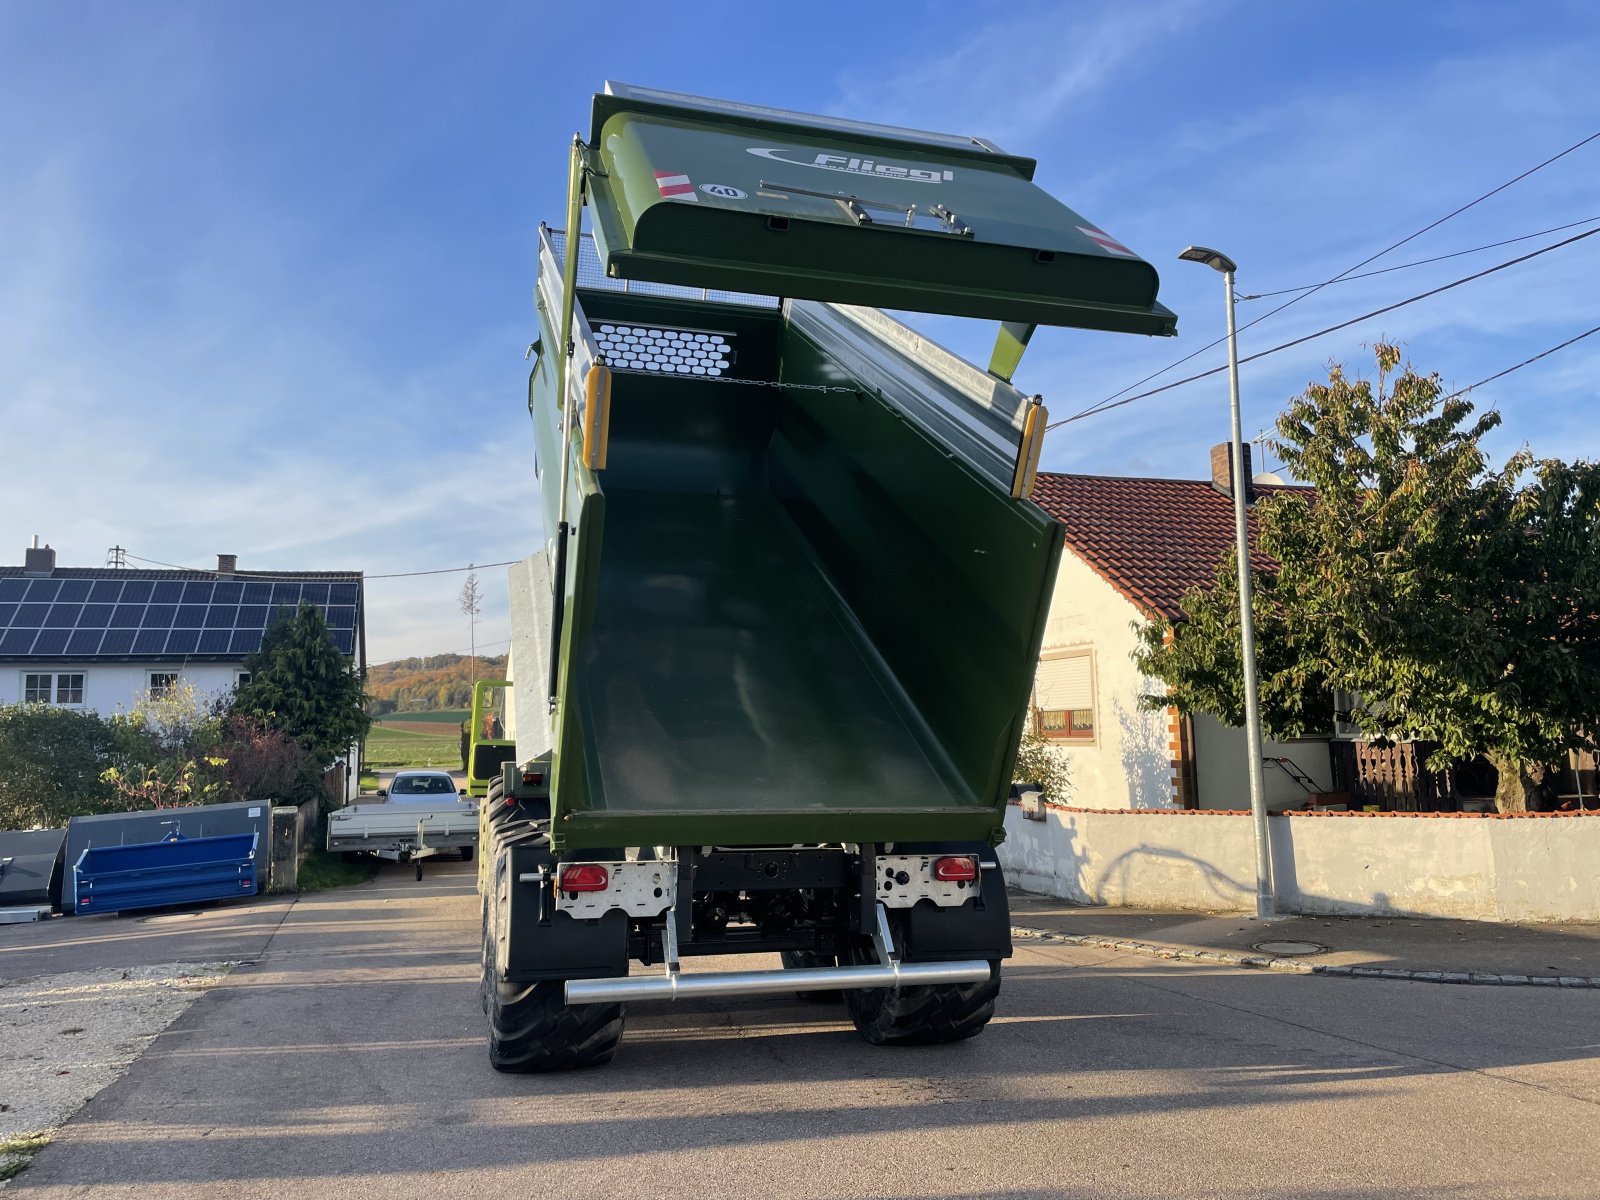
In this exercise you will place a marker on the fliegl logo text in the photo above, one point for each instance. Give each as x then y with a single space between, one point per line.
855 166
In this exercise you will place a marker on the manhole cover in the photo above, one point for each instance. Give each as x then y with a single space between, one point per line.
1289 949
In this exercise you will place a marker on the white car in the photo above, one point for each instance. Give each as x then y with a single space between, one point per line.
420 787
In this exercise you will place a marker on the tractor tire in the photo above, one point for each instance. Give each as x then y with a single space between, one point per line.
532 1028
924 1016
799 960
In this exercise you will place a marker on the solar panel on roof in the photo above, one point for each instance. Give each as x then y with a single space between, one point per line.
85 641
150 641
117 641
82 617
96 616
63 616
214 641
50 641
17 641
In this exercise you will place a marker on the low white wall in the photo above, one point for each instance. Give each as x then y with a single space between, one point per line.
1520 869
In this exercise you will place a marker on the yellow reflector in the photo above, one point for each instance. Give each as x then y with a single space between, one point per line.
597 417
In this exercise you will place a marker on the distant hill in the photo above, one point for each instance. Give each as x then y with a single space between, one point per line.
425 684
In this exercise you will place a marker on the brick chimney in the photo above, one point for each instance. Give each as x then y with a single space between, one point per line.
1222 471
227 564
40 560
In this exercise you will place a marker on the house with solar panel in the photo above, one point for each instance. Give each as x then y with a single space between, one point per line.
102 638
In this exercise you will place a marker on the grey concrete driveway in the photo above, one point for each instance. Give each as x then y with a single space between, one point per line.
349 1063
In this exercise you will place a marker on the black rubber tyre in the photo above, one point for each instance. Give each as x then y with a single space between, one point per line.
924 1016
351 856
532 1028
466 854
799 960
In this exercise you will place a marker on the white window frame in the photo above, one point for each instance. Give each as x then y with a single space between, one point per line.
240 678
1093 708
83 679
52 687
175 679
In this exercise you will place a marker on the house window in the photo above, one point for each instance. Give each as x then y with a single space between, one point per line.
1064 695
241 679
162 683
47 689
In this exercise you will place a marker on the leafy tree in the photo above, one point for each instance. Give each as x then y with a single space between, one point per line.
1459 602
51 761
1042 764
301 684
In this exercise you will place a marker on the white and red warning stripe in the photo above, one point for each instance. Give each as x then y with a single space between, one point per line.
677 187
1105 241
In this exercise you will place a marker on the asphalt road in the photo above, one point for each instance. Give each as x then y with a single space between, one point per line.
348 1062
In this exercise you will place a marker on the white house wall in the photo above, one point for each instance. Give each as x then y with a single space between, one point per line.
1129 764
117 687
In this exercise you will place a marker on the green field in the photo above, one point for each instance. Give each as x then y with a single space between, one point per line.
445 716
416 739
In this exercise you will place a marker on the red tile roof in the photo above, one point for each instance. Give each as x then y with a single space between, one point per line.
1151 539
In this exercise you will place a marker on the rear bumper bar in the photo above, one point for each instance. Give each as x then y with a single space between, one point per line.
675 985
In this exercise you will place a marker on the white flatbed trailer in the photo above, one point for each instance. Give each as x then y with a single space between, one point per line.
405 832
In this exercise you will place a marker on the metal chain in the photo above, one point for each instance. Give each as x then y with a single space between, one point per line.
766 383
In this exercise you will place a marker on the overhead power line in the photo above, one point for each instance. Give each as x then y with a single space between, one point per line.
1377 312
1422 262
265 577
1525 362
1311 291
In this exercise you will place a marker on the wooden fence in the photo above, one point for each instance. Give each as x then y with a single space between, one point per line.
1393 776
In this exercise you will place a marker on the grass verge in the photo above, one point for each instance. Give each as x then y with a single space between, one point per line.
16 1153
321 871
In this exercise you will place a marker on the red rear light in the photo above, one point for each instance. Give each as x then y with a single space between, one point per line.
533 778
585 877
955 869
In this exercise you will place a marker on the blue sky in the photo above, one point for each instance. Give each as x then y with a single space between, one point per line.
265 269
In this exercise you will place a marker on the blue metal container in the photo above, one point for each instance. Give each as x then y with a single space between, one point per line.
175 870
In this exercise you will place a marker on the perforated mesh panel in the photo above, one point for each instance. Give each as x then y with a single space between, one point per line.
669 351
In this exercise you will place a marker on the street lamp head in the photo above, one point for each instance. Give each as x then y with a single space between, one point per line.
1215 259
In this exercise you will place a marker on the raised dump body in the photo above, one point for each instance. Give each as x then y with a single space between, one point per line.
772 664
797 614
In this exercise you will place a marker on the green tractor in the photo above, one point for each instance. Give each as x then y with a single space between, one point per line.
773 660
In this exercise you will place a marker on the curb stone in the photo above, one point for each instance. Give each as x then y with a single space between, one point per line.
1299 966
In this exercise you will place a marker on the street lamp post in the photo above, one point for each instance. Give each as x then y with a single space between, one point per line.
1265 906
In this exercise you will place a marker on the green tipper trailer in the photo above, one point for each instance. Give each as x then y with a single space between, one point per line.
771 666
